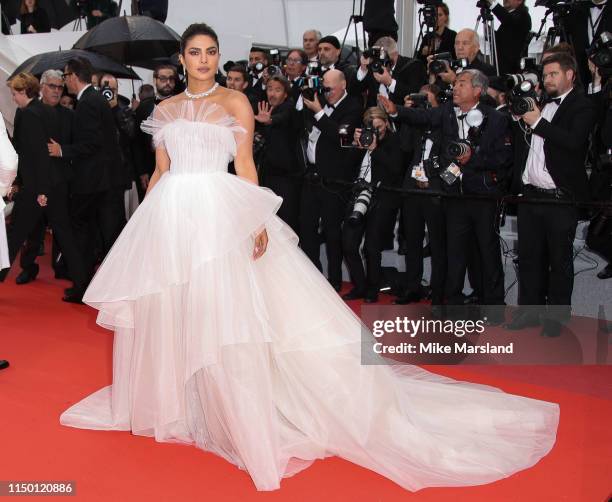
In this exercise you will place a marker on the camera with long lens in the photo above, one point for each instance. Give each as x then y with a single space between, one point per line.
523 97
275 65
380 59
443 61
419 100
364 194
368 134
600 53
312 84
107 92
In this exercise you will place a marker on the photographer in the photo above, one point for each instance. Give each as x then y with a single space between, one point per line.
259 60
372 209
553 168
467 46
511 38
280 170
418 212
474 157
442 39
384 71
325 161
310 44
329 57
295 70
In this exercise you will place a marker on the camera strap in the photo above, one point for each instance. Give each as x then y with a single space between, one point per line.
594 25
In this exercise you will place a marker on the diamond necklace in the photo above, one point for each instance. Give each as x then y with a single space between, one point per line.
201 94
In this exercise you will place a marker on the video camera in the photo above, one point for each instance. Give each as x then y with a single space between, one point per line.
380 59
443 61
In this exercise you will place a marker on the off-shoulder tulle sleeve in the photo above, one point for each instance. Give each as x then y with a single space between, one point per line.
192 111
8 160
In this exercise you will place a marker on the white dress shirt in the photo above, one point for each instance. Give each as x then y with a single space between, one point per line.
595 18
382 89
536 172
313 137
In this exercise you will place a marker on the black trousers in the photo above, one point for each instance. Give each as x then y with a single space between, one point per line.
35 240
546 255
27 217
418 211
290 189
320 204
468 220
374 226
100 213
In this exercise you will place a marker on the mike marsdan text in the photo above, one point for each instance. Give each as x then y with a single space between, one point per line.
412 327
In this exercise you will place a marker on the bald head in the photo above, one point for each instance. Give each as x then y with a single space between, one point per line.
336 82
467 44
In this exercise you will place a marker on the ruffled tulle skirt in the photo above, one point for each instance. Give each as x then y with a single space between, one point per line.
258 361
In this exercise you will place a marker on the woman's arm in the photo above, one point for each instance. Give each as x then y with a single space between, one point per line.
244 164
162 164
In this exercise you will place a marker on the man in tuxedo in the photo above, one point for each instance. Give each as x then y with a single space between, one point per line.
479 171
404 75
329 57
553 169
467 46
295 70
259 60
165 78
325 159
512 35
44 184
98 183
586 24
51 88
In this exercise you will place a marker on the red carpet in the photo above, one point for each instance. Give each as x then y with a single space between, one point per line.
58 355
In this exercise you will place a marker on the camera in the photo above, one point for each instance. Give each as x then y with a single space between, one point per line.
419 100
443 61
275 66
368 133
523 98
457 149
364 193
600 53
514 80
313 82
429 12
107 92
380 59
476 121
346 133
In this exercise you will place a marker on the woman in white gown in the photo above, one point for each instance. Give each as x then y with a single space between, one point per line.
8 171
227 337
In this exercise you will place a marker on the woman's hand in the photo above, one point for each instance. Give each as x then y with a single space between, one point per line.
261 243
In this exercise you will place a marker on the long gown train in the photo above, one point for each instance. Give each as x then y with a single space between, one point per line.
259 361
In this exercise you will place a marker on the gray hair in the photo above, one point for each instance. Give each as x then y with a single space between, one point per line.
388 44
478 79
49 74
316 32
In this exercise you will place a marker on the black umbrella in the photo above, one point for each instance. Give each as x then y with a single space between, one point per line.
56 60
131 39
153 63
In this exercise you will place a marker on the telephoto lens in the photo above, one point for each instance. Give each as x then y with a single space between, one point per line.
457 149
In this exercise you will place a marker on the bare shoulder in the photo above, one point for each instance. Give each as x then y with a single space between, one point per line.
169 101
235 102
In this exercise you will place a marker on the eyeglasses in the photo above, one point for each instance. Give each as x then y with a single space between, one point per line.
55 87
67 74
294 60
166 79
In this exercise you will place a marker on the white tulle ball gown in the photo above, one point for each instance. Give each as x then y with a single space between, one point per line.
258 361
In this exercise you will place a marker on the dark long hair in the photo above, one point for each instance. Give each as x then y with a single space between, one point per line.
194 30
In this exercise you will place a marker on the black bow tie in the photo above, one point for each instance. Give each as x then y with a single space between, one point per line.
554 100
462 116
599 6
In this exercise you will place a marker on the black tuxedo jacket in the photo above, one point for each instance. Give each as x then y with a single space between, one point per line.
386 161
577 30
333 161
511 37
565 146
280 155
488 167
409 74
94 150
34 126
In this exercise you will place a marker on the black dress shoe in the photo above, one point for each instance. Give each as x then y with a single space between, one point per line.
74 298
3 273
550 328
411 297
353 294
606 273
523 320
472 298
3 364
27 275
